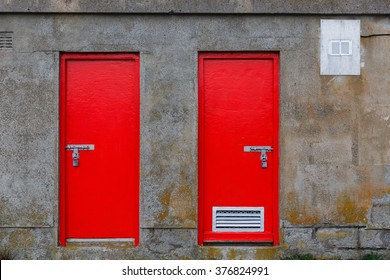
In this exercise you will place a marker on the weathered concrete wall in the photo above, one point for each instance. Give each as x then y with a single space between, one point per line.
334 131
199 6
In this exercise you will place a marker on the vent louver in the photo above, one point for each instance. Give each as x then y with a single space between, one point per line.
238 219
6 40
340 47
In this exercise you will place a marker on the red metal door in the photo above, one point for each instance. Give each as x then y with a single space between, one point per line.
238 115
99 191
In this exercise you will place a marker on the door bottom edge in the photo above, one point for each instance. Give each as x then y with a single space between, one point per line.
99 240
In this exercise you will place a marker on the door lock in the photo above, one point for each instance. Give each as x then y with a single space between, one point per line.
75 151
263 153
75 157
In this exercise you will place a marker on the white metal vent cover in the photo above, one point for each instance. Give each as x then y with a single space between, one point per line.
238 219
340 47
6 40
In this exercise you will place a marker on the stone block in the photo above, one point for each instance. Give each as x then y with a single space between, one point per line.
338 237
380 216
28 243
98 251
374 239
299 238
339 254
168 243
238 252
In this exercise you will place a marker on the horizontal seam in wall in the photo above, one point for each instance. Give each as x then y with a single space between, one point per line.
324 226
23 227
376 35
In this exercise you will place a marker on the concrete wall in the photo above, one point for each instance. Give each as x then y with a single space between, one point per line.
199 6
334 131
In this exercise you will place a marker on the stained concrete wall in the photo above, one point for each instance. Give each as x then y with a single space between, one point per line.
199 6
334 131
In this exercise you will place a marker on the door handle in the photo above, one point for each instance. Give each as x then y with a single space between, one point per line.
75 148
263 153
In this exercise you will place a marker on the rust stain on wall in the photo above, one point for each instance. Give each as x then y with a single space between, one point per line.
22 239
353 205
182 208
300 212
211 253
177 206
233 254
165 199
270 253
352 209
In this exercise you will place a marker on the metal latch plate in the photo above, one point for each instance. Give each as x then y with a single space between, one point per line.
263 153
257 149
75 148
80 147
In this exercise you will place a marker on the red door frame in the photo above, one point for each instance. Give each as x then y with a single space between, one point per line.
62 112
201 119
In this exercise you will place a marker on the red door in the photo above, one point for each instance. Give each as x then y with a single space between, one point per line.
238 147
99 147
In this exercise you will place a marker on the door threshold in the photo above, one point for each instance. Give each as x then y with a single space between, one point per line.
239 244
98 240
101 242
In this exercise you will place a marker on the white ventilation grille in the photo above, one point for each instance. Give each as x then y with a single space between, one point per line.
238 219
340 47
6 40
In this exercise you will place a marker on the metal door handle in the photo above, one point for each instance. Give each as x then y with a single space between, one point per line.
263 153
75 151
